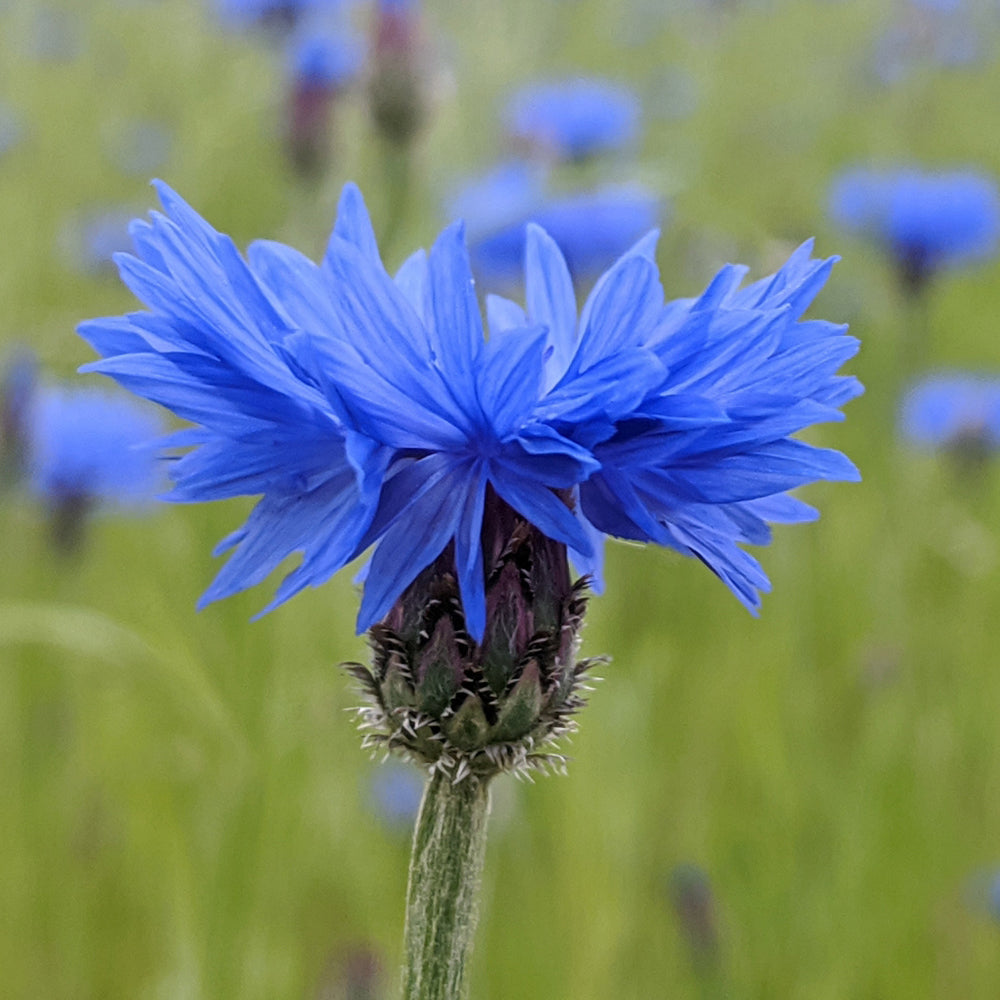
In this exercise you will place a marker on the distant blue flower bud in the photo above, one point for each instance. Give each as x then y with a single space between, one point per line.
572 119
924 220
397 92
694 904
323 59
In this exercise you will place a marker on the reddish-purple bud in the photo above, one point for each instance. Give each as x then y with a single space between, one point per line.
464 707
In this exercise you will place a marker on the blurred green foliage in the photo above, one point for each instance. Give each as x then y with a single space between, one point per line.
185 810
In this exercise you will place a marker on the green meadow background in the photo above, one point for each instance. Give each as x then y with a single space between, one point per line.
184 808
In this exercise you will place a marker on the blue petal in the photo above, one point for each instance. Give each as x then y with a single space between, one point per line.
354 224
541 507
550 297
415 536
469 559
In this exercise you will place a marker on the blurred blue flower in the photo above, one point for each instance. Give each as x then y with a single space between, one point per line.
139 147
994 896
924 220
277 13
368 411
942 33
592 230
953 409
91 238
395 791
572 119
324 56
695 907
11 128
505 195
56 35
85 443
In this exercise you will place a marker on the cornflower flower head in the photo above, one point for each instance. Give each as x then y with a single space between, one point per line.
924 220
324 57
957 412
371 413
88 448
574 119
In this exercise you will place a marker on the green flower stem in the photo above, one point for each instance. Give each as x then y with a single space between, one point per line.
442 901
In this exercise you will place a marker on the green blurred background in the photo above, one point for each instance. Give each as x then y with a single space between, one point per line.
184 809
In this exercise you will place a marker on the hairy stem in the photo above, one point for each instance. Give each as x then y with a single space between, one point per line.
442 901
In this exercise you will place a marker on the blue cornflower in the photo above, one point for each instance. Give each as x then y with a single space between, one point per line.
322 57
924 220
592 230
88 449
953 409
85 444
572 119
372 412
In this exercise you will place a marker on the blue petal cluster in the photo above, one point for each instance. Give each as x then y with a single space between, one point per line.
949 408
925 220
372 411
571 119
84 444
